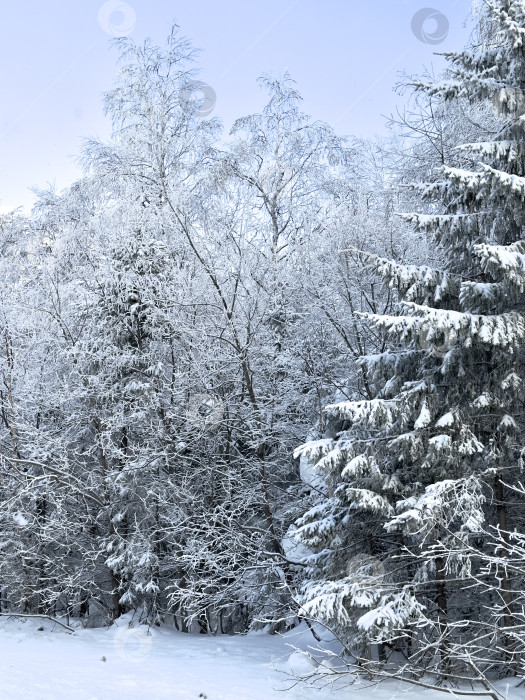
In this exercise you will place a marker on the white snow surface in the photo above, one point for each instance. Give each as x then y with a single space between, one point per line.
123 663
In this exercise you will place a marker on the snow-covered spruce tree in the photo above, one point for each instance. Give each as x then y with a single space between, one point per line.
414 472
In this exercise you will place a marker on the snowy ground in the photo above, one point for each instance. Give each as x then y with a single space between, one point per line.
129 664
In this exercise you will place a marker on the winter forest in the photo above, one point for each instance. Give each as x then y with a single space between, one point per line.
273 379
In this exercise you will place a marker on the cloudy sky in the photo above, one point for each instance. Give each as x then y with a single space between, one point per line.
346 56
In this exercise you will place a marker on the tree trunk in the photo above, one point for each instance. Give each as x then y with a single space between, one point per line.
502 574
441 600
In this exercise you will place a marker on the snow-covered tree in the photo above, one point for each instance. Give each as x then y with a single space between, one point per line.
414 471
190 315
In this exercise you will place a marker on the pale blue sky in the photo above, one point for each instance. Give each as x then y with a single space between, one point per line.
344 54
